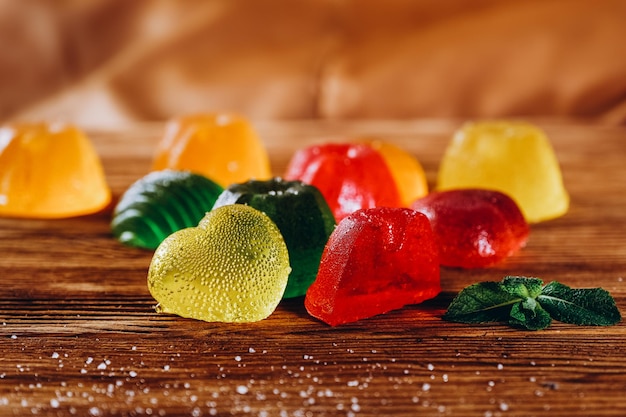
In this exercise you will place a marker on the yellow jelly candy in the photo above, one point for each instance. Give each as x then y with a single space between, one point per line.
233 267
49 171
222 147
405 170
515 158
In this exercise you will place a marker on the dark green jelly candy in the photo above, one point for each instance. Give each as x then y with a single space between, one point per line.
302 216
160 204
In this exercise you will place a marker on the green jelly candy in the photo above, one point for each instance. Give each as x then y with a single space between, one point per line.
232 268
160 204
302 215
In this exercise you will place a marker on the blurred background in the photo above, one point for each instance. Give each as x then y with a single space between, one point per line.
110 63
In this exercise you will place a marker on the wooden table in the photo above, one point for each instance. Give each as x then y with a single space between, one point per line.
79 334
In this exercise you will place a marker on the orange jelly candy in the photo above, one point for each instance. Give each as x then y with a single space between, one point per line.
222 147
405 169
49 171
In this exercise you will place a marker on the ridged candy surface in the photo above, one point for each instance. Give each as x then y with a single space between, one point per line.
160 204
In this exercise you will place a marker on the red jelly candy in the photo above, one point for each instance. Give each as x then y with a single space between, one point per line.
375 261
349 176
474 227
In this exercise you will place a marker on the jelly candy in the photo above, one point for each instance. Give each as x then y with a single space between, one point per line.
349 176
160 204
302 216
474 228
406 170
233 267
49 171
515 158
222 147
375 261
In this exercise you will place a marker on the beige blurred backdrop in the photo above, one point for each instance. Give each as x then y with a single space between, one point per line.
110 63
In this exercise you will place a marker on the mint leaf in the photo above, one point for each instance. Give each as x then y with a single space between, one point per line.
527 303
527 313
484 302
522 286
591 307
530 315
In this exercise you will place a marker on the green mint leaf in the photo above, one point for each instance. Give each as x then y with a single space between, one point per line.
591 307
484 302
523 286
526 303
530 315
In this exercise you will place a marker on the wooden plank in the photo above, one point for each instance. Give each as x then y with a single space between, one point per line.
79 335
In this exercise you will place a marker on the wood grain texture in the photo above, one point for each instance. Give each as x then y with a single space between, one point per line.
79 334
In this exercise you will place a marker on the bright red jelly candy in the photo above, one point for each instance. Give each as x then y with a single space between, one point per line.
349 176
375 261
474 227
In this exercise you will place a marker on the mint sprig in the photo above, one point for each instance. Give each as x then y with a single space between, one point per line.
525 302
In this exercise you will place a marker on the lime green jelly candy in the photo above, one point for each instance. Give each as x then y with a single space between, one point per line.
515 158
302 216
160 204
233 267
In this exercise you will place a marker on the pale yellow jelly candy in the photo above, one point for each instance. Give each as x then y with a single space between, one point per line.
49 171
233 267
512 157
